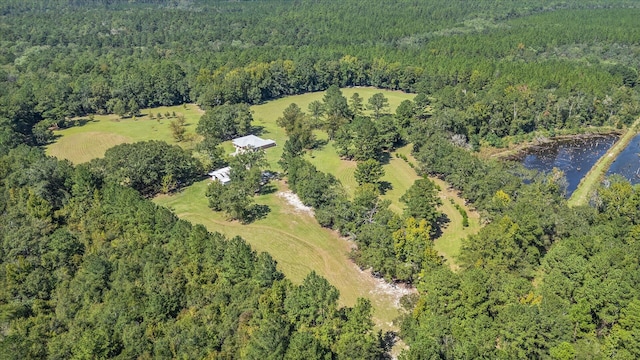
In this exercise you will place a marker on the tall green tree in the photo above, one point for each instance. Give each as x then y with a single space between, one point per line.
356 104
226 122
378 103
368 172
336 110
422 201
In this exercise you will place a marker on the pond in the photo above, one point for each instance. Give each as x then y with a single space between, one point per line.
627 163
574 157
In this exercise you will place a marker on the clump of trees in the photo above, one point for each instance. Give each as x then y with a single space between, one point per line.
236 197
150 167
396 247
92 268
225 122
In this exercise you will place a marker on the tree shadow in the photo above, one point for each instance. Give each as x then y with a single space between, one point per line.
441 223
385 157
319 144
268 189
258 130
384 186
389 339
256 212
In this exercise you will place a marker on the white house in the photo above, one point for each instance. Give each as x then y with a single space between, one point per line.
251 142
221 175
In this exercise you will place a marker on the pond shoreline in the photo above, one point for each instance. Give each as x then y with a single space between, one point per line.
516 153
597 172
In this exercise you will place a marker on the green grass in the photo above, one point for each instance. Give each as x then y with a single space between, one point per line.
295 240
590 182
265 116
82 143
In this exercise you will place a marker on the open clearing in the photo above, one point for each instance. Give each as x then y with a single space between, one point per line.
299 244
289 232
90 140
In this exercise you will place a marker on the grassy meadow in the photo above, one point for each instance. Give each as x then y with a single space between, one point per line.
292 237
296 240
93 136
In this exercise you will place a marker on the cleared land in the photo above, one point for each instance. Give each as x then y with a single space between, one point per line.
590 182
292 236
299 244
92 138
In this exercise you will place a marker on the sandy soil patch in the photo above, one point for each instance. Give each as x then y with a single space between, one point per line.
295 202
393 291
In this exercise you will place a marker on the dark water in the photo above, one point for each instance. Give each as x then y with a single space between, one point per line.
627 163
574 157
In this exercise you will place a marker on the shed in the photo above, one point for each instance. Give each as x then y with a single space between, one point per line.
252 142
221 175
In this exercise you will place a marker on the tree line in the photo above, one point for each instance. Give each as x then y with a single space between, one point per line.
490 77
92 269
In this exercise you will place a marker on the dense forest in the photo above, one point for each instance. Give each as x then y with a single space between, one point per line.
92 269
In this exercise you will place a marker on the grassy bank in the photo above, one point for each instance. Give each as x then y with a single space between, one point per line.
590 182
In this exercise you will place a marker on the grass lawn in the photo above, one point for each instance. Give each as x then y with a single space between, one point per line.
296 241
90 140
265 116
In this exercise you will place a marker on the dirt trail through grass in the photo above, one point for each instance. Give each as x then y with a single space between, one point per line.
299 245
292 237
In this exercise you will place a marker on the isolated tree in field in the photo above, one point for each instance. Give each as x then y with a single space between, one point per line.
297 125
369 172
235 199
422 201
177 130
356 105
291 118
378 103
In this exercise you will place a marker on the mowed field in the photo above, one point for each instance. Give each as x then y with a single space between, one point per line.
293 237
298 243
90 140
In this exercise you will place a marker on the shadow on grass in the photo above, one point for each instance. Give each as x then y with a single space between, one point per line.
385 158
442 223
385 186
320 144
258 130
256 212
268 189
